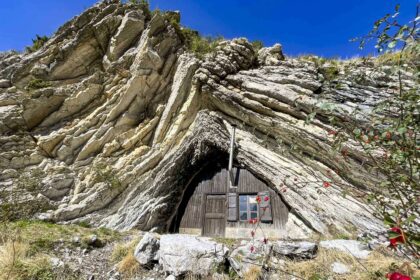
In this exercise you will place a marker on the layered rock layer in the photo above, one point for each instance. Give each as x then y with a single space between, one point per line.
113 116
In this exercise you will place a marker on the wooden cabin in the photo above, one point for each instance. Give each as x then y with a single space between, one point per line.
211 207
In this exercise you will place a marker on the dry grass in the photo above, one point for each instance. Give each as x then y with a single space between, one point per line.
129 267
123 254
10 253
121 250
374 267
253 273
16 263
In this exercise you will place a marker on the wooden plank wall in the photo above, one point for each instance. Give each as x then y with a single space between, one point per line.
214 180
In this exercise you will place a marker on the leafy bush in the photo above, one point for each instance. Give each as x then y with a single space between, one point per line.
391 140
103 173
257 45
37 84
37 43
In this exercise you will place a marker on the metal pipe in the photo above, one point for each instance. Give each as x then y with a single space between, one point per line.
232 147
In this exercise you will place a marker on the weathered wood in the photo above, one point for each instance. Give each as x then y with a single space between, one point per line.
215 215
207 203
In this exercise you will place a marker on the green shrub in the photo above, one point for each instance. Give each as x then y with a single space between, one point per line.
257 45
199 45
37 43
329 71
37 84
106 174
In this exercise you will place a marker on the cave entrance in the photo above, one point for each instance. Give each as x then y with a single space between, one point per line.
211 207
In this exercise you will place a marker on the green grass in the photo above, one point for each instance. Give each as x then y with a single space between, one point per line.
42 236
229 242
27 246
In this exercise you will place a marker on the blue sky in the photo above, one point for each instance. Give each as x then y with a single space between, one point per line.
321 27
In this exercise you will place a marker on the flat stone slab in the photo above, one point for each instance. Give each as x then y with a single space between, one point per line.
351 247
295 249
181 253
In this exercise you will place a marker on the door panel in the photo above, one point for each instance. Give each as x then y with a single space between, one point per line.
215 216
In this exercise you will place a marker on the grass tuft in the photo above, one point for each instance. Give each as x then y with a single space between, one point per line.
129 266
253 273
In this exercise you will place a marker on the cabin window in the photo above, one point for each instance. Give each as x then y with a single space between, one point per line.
248 207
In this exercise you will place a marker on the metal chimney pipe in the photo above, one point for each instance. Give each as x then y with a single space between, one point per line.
232 147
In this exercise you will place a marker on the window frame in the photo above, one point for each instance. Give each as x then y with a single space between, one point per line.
248 210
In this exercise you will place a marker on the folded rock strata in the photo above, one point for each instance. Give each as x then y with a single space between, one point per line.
127 115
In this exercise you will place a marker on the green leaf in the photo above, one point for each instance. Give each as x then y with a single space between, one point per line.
357 132
388 220
392 234
410 219
402 130
415 242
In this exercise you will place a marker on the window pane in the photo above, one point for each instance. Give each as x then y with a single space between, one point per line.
242 206
242 198
243 216
253 207
252 199
254 215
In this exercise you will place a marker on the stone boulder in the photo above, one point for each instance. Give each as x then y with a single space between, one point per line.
56 186
270 56
4 83
352 247
295 250
147 250
180 254
248 256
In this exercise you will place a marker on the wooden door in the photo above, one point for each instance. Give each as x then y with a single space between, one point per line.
215 215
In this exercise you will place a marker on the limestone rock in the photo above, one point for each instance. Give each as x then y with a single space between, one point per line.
180 254
147 250
270 56
351 247
131 27
248 256
295 250
339 268
4 83
57 186
124 116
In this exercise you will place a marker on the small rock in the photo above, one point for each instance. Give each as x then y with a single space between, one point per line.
270 56
76 239
352 247
339 268
94 241
56 263
170 277
295 250
248 256
4 83
147 249
375 244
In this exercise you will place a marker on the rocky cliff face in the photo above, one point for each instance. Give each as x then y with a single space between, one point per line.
112 117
